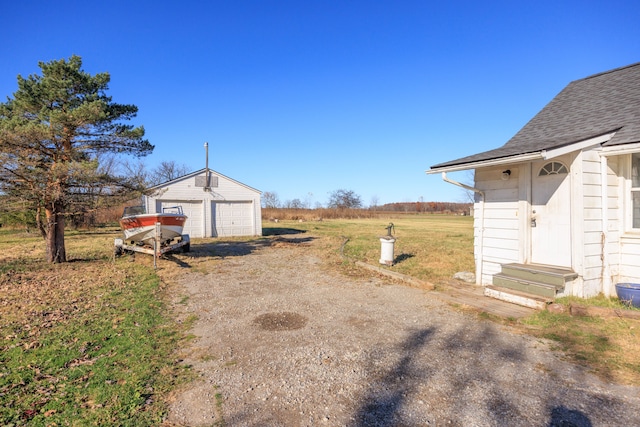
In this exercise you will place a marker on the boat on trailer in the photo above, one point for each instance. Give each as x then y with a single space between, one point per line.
140 227
152 233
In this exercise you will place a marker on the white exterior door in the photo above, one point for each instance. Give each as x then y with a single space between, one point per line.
551 214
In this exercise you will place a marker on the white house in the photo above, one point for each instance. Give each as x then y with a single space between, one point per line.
557 208
215 205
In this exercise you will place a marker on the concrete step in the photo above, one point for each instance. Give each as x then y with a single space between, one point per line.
539 273
524 299
521 285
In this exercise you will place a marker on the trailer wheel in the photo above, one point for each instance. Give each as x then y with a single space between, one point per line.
186 248
117 247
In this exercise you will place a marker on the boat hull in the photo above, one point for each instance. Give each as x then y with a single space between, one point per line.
142 228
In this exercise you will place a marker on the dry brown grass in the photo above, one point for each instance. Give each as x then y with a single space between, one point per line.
609 346
276 215
29 285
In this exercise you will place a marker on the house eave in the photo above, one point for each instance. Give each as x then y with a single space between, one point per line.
617 150
488 163
580 145
545 154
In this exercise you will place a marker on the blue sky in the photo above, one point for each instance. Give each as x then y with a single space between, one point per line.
302 98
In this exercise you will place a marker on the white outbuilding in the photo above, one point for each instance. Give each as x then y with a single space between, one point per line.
216 205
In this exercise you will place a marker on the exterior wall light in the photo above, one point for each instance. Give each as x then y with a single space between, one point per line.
506 174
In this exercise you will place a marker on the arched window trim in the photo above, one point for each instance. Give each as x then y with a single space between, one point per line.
553 168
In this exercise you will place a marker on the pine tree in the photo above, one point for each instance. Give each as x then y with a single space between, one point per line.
53 134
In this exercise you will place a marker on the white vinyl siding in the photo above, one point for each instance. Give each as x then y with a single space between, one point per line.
622 248
629 242
596 240
630 259
501 243
635 191
615 220
591 271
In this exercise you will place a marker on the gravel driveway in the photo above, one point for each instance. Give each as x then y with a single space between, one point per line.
284 341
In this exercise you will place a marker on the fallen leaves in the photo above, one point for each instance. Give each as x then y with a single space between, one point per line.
60 357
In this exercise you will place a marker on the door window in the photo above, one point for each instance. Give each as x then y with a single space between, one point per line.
553 168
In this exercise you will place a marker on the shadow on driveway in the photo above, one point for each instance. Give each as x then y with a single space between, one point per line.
235 248
279 231
382 404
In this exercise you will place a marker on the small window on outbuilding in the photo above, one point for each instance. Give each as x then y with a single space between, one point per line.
553 168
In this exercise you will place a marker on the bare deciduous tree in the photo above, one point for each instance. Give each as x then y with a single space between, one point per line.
167 171
270 199
344 199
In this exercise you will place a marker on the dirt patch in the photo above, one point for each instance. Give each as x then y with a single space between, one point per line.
282 340
280 321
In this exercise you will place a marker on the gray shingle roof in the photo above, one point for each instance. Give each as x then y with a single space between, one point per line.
586 108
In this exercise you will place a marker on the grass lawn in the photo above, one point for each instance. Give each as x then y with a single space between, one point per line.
93 342
88 342
427 247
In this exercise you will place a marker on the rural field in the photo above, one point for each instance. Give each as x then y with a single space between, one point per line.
96 341
427 247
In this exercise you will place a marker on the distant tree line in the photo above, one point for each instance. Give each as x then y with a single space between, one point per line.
348 199
427 207
338 199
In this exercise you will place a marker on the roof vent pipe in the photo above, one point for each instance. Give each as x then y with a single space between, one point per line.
206 169
479 260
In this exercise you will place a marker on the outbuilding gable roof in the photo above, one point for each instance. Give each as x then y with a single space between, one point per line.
198 172
587 108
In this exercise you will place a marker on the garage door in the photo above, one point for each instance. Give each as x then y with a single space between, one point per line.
193 210
232 218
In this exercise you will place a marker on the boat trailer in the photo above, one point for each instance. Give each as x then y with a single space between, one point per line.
160 246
